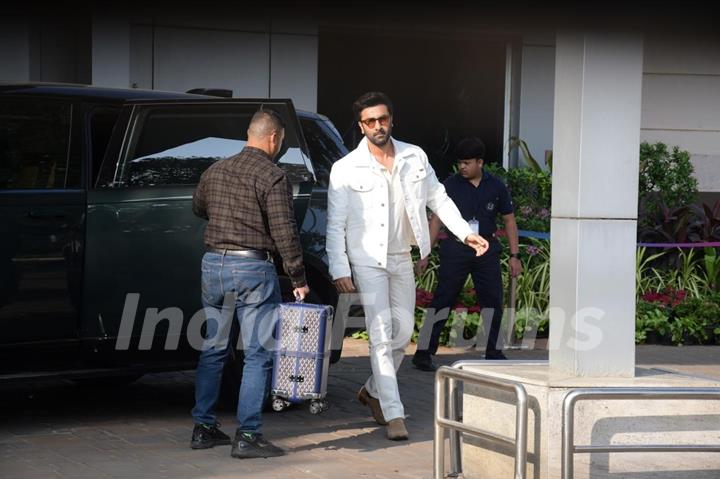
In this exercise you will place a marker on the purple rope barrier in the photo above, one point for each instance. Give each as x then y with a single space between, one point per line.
712 244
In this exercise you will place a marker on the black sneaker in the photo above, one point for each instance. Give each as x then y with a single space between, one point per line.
205 436
495 355
424 363
247 445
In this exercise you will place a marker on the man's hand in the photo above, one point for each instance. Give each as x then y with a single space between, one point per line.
421 265
345 285
478 243
301 292
515 267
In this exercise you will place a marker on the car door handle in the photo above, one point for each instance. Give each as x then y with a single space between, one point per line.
46 215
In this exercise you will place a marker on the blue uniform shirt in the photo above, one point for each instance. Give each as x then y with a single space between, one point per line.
483 202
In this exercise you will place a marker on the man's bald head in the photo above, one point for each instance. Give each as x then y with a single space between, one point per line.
264 123
266 132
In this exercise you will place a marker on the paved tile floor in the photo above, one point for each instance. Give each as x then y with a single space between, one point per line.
56 429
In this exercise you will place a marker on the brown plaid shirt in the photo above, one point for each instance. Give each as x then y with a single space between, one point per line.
247 200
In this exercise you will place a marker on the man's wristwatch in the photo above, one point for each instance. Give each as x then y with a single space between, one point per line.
514 255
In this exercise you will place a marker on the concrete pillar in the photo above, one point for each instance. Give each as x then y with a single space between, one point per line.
598 79
111 49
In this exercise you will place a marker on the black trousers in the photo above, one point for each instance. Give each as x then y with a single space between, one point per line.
456 262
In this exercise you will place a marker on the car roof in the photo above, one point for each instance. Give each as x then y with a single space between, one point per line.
311 114
91 92
71 90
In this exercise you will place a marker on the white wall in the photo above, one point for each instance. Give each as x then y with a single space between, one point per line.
111 50
294 69
187 58
14 50
681 101
537 94
141 56
251 58
681 98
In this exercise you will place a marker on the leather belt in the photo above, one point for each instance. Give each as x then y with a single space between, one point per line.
244 253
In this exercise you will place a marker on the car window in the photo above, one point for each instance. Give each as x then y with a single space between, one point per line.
325 148
332 128
34 144
173 145
102 121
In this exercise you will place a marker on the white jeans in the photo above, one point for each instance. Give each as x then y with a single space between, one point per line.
388 297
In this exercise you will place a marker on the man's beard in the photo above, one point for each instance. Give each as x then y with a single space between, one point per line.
380 142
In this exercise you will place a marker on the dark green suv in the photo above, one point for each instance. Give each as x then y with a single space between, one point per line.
99 248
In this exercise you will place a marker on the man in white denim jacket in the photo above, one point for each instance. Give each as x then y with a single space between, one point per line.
377 202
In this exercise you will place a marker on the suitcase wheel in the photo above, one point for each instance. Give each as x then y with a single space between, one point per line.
279 404
319 405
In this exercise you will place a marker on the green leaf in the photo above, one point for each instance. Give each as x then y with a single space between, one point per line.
514 142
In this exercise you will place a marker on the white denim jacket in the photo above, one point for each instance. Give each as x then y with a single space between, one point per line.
357 207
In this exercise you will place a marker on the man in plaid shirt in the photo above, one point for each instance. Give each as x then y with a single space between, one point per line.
248 203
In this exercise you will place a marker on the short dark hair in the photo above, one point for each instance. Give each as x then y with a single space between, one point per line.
470 148
265 121
369 99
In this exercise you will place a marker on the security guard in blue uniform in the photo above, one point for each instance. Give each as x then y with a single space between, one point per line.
480 197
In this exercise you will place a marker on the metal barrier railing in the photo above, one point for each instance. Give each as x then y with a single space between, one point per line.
569 449
453 374
454 409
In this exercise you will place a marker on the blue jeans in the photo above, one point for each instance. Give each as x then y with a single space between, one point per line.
250 291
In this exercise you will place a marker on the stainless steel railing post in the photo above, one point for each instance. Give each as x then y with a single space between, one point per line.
569 449
455 446
439 432
521 427
442 422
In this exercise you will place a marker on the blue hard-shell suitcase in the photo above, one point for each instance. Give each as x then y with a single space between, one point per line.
302 355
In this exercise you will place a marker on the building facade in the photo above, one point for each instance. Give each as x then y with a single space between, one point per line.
451 75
